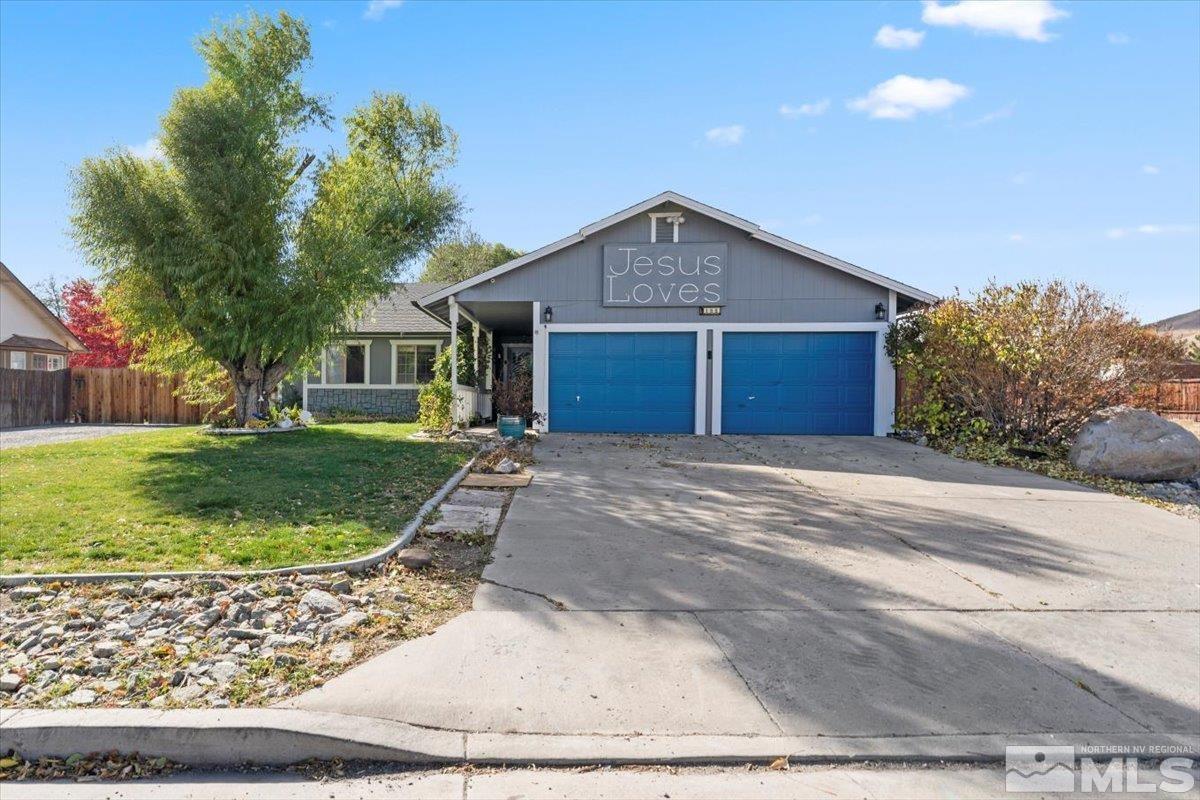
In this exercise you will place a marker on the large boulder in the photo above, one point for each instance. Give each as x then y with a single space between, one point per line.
1136 445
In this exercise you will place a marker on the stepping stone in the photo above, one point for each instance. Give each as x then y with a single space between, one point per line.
466 518
482 480
477 497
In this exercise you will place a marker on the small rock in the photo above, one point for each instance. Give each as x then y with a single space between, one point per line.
400 597
160 588
10 682
286 659
320 602
204 620
81 697
25 593
245 633
100 667
349 621
414 558
224 671
124 589
342 653
141 618
241 649
183 694
343 586
286 640
106 649
507 466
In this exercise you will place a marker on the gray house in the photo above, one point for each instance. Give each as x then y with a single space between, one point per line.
676 317
378 367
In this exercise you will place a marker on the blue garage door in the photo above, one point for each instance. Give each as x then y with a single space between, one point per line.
623 382
798 383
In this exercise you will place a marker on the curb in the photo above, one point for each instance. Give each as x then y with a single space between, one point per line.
277 737
353 565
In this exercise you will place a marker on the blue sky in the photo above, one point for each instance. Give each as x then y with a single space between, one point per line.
960 143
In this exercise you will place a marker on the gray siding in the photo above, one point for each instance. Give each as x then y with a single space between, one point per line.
765 283
380 355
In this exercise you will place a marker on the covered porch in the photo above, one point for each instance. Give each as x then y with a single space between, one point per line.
500 336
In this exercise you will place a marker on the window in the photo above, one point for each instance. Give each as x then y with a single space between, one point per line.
16 359
414 363
346 363
47 362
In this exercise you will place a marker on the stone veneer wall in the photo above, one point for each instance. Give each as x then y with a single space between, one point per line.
372 402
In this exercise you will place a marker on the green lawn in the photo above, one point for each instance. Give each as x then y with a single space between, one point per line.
177 499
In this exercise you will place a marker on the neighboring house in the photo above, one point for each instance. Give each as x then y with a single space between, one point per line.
676 317
379 365
31 337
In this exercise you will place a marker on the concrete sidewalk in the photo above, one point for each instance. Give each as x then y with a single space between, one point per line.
806 587
826 783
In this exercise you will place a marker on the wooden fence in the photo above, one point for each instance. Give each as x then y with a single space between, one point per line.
100 394
34 397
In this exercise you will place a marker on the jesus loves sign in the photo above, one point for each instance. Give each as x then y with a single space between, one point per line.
665 275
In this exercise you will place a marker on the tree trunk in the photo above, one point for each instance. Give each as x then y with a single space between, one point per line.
252 389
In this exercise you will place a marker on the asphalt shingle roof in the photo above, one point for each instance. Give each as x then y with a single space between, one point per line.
394 312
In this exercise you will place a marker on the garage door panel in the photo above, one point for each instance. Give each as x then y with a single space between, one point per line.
622 382
800 383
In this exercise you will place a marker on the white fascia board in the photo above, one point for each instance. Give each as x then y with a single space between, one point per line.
700 208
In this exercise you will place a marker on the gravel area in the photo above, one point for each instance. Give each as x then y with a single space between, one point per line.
216 643
53 434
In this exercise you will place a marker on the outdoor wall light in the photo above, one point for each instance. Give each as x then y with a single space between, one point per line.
548 315
880 311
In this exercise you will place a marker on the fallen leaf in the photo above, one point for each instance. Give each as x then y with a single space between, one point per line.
780 763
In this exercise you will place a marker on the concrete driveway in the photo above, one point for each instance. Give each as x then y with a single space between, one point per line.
807 587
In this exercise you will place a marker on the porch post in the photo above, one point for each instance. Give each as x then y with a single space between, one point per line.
455 415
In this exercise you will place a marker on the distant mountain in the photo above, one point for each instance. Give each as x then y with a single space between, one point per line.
1180 326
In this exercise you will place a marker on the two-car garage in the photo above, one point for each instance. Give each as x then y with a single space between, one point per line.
762 382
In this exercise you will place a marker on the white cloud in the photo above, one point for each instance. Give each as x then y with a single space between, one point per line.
1149 230
1150 169
1022 178
1017 238
904 96
726 135
898 38
1003 112
151 148
376 9
1119 38
1024 19
815 109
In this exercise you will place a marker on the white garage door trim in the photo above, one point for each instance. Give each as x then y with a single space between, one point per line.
885 375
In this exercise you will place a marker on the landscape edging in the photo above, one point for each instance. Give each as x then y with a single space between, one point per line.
352 565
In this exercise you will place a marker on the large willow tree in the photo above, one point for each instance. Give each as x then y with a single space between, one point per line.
238 251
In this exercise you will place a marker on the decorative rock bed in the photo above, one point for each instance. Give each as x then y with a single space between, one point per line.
216 642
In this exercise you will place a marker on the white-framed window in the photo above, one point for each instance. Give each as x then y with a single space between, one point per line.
347 363
16 359
48 361
412 361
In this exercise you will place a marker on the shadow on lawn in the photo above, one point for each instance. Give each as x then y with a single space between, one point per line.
325 476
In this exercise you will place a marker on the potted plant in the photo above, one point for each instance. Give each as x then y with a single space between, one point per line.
513 401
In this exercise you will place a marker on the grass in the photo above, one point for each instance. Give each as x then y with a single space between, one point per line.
177 499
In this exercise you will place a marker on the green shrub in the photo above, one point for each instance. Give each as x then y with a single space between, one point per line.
1026 363
436 400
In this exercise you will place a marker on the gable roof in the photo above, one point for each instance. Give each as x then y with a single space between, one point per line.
73 343
395 312
1182 325
700 208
